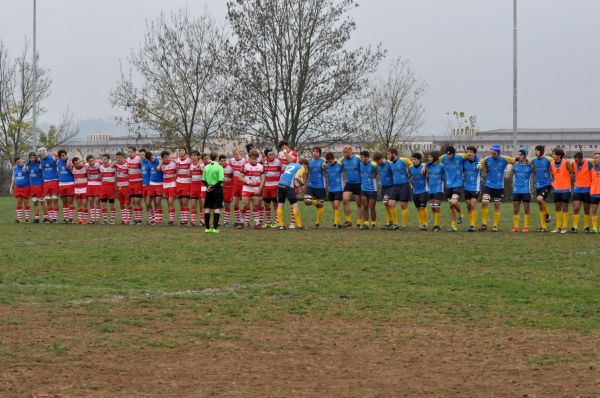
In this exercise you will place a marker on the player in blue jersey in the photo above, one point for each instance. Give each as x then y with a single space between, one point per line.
36 187
352 189
435 180
521 174
419 189
543 184
50 171
368 190
19 187
472 187
453 183
291 178
314 193
494 167
66 186
387 180
335 188
400 191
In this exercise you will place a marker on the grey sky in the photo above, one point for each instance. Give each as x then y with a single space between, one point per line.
461 48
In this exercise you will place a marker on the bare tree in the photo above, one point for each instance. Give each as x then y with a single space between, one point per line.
294 77
179 96
17 96
394 110
60 134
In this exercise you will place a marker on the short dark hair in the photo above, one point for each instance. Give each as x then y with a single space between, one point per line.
16 158
106 155
365 154
417 155
119 153
472 149
304 161
88 157
578 155
317 149
329 156
222 157
450 149
282 143
540 148
148 155
213 156
377 156
131 148
164 153
75 159
393 151
60 152
559 152
208 155
142 151
195 152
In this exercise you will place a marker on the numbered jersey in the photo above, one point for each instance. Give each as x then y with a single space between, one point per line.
252 174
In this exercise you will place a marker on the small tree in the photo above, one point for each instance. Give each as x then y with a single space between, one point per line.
61 134
179 96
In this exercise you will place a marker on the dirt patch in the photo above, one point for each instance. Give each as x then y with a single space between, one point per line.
294 357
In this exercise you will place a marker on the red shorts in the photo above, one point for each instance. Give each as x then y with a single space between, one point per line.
196 192
36 191
237 190
183 190
155 190
66 190
136 189
81 196
50 188
270 193
147 191
247 194
107 192
22 192
169 192
94 190
123 194
227 194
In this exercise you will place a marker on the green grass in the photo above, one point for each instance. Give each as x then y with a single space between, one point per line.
537 281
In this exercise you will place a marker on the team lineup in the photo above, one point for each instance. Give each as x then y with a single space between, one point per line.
262 181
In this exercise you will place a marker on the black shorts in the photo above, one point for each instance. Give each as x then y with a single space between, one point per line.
495 193
543 191
369 194
595 200
288 193
581 197
420 199
436 196
521 197
354 188
471 195
400 193
561 197
385 192
214 198
317 193
448 192
333 196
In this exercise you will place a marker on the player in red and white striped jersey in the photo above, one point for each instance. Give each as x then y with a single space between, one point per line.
94 188
123 187
261 159
184 183
169 169
227 188
237 163
196 169
272 167
108 173
253 178
136 187
79 172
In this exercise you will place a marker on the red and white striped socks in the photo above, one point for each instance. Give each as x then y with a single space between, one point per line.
227 215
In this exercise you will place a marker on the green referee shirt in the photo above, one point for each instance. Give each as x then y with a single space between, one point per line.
213 173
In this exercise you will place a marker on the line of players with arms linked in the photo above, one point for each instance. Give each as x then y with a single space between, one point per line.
264 180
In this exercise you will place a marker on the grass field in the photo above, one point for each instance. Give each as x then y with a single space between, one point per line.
144 311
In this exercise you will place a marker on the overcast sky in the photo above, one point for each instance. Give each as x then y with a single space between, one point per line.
461 48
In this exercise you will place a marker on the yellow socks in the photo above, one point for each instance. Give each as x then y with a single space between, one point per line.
516 221
575 221
348 218
388 216
586 221
496 218
336 216
484 215
543 219
404 217
526 221
565 219
280 216
359 221
559 219
320 211
394 216
297 217
437 218
595 223
473 218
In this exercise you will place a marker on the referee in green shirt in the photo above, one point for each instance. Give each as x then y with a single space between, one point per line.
213 177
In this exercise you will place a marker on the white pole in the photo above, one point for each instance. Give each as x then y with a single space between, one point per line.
515 109
34 124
